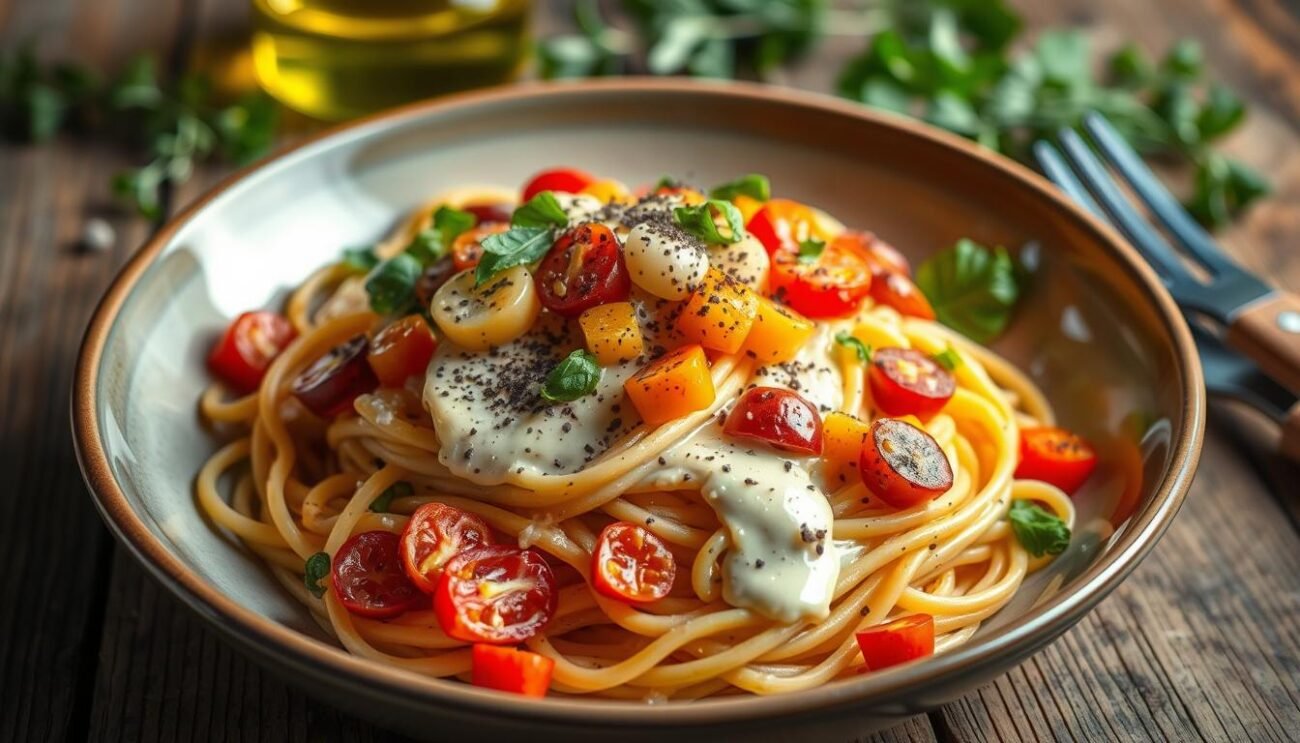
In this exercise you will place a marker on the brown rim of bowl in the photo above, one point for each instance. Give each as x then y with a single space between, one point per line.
1032 630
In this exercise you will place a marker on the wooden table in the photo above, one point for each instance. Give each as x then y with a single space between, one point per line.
1203 641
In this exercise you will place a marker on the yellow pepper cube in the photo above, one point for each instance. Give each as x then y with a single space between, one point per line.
778 333
612 332
843 437
720 314
672 386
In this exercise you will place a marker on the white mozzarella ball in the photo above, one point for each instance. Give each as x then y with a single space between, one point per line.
664 260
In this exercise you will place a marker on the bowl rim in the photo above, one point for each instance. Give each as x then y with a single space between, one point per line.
1038 626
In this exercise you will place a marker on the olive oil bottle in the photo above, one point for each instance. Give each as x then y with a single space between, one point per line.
334 59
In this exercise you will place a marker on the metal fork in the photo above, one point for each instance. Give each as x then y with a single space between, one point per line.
1257 320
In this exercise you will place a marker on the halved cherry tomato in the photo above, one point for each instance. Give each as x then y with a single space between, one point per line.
897 291
467 248
782 224
434 276
899 641
508 669
496 594
905 381
402 350
833 285
1054 455
886 257
436 533
902 464
248 347
777 417
632 564
333 381
368 578
560 180
490 213
583 269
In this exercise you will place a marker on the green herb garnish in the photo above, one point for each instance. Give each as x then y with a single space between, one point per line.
973 289
400 489
432 244
361 260
948 358
753 185
574 377
699 220
391 285
543 210
862 350
517 246
1040 531
316 569
811 250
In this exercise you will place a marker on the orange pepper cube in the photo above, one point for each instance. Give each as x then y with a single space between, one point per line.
612 332
719 314
843 437
778 333
671 386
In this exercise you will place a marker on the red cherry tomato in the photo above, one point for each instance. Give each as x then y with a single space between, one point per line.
833 285
899 641
560 180
490 213
905 381
436 533
776 417
583 269
495 594
883 256
467 248
402 350
1056 456
632 564
368 578
333 381
248 347
508 669
897 291
902 464
782 224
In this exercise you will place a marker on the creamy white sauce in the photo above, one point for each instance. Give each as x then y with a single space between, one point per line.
813 373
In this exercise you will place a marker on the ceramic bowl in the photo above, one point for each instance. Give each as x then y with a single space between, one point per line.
1095 330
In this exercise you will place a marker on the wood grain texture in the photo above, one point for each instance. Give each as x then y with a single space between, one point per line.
1202 642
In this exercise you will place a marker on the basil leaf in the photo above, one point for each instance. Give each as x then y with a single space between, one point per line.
574 377
698 221
316 569
862 350
391 285
361 260
973 289
517 246
433 243
1040 531
948 358
811 250
667 181
401 489
754 186
543 210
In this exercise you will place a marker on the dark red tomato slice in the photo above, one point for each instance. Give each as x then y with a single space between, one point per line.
902 464
402 350
368 578
832 285
467 248
883 256
333 381
1054 455
905 381
497 594
631 564
490 213
897 291
433 278
248 347
777 417
436 533
508 669
899 641
560 180
583 269
781 225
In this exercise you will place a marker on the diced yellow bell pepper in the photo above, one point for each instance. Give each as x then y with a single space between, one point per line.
778 333
672 386
843 437
719 314
748 206
609 191
612 332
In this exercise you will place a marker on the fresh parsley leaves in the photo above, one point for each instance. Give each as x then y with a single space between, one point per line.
811 250
862 350
699 221
574 377
1040 531
384 502
754 186
517 246
316 569
973 289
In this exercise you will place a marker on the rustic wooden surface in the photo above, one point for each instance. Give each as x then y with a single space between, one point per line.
1203 641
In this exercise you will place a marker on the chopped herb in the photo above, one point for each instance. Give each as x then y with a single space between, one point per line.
1040 531
754 186
948 358
517 246
574 377
862 350
401 489
433 243
543 210
361 260
667 181
811 250
973 289
391 285
316 569
699 221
